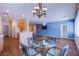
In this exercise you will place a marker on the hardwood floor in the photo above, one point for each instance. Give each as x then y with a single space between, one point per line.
11 47
73 51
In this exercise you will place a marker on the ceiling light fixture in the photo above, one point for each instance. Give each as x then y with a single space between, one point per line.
44 23
5 14
39 10
7 10
23 15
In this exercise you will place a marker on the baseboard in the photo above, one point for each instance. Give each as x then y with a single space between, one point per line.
15 37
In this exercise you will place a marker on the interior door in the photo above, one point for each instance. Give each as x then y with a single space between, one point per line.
64 32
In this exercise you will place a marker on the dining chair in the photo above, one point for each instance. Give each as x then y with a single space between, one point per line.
29 51
63 51
24 49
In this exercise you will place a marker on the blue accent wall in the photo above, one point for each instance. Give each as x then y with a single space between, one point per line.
54 28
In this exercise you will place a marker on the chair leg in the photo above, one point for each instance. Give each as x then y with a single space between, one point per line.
35 54
51 54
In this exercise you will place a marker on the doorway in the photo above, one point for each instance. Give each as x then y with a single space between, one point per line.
64 30
5 30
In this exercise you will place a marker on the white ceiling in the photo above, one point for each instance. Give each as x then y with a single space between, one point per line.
55 12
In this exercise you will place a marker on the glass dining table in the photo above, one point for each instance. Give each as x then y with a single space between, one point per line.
41 48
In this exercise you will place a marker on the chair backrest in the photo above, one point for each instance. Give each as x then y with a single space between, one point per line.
25 37
24 50
28 51
64 50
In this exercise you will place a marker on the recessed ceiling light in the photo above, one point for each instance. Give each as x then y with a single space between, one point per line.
23 15
44 23
7 10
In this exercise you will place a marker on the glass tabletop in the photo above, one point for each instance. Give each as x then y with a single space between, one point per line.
42 45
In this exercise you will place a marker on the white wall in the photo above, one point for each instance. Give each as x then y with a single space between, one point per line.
1 29
14 28
77 29
1 35
77 33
